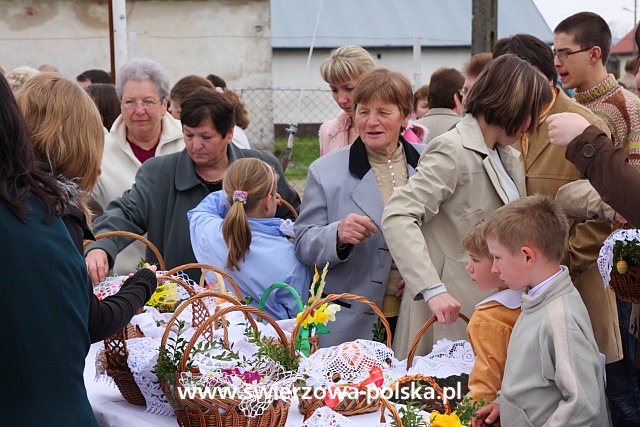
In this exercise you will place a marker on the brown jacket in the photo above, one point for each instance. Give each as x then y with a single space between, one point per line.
608 170
546 171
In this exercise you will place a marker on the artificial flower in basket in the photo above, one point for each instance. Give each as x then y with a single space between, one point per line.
619 264
316 322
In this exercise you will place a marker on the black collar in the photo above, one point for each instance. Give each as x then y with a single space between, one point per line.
359 161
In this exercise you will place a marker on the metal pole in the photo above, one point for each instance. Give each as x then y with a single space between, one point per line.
119 33
112 59
484 25
635 23
417 62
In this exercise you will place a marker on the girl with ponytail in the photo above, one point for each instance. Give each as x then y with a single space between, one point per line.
234 229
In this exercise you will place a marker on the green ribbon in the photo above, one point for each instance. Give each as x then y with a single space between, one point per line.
302 340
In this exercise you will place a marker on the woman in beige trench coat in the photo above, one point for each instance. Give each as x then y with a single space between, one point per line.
462 176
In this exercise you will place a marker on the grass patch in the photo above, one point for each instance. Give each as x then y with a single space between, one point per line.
305 150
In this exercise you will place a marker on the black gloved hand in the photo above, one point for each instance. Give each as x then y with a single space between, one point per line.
145 277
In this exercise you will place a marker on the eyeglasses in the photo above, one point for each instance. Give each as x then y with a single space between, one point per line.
563 55
131 104
464 91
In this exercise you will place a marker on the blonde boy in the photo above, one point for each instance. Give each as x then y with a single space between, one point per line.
490 326
553 375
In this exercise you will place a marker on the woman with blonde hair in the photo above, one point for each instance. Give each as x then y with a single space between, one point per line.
235 229
44 308
65 132
67 136
341 71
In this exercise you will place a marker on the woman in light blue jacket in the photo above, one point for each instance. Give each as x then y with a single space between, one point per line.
235 230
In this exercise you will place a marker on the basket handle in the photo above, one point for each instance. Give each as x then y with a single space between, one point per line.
201 308
282 201
207 267
432 382
418 337
385 405
333 297
135 236
280 285
219 279
247 310
119 339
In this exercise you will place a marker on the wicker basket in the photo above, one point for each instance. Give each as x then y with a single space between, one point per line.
626 286
347 406
221 275
222 412
431 404
116 353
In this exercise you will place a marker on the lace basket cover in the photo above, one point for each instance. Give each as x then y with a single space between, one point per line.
349 363
448 358
327 417
246 372
605 259
112 285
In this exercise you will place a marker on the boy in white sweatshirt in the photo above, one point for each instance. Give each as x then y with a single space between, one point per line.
553 375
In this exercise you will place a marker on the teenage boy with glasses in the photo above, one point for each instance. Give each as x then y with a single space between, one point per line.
582 44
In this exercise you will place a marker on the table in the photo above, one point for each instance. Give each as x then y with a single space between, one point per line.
111 410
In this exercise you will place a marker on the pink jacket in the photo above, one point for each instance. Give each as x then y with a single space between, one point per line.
334 133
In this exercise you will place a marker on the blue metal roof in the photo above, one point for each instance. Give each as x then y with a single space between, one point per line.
394 23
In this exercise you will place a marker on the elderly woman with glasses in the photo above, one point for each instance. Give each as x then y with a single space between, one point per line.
143 130
167 187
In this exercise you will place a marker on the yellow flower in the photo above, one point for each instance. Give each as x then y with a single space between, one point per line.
326 312
444 420
309 320
321 316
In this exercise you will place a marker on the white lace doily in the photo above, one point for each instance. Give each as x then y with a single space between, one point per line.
448 358
327 417
112 285
243 376
349 363
605 260
143 355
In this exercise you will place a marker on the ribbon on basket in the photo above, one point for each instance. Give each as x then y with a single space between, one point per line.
333 396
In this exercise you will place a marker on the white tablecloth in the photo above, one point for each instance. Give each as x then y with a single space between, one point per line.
111 410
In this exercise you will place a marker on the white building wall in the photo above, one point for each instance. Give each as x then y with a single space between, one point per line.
231 38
